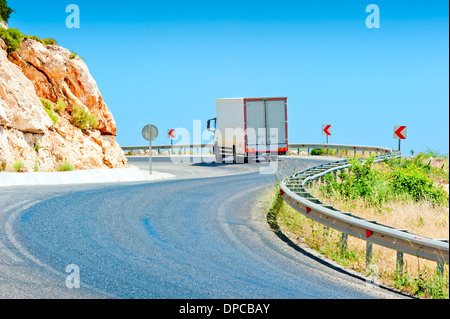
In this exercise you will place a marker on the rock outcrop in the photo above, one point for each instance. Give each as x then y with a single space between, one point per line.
28 134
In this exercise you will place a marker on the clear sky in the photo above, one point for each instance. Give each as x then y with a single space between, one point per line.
166 63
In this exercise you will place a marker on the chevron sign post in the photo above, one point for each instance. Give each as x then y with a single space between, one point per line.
326 130
400 134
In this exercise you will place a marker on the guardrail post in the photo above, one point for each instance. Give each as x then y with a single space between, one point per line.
344 241
325 233
369 254
440 268
400 263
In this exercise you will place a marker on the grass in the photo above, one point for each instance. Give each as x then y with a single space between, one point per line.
419 276
64 167
17 166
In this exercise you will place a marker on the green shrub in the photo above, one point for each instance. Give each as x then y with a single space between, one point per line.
43 41
74 55
17 166
12 37
50 110
48 41
414 181
33 37
93 121
82 119
318 152
5 11
64 167
405 180
60 106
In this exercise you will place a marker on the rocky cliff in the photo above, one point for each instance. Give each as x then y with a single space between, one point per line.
37 74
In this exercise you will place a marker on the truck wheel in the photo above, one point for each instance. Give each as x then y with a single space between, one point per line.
218 156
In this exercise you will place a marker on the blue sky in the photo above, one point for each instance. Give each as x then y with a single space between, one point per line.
166 63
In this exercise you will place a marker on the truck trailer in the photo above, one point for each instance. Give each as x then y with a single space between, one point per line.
250 128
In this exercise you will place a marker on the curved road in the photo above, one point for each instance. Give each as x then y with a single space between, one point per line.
195 236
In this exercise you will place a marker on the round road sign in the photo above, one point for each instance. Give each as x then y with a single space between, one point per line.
150 130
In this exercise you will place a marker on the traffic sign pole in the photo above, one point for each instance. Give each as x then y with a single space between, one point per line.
150 150
150 132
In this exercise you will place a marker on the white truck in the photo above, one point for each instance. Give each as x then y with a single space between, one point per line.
250 128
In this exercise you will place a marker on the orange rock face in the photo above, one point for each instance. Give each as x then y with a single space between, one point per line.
28 134
56 75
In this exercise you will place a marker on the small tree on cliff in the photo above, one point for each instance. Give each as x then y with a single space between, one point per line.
5 11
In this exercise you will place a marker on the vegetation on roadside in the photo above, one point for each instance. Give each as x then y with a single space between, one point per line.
396 180
64 166
82 119
17 166
402 193
419 277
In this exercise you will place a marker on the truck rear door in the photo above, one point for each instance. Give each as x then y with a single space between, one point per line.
266 123
276 123
255 124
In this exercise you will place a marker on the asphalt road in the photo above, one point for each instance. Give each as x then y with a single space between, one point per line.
201 235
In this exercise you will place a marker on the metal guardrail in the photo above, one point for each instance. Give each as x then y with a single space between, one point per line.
353 148
167 147
294 192
291 147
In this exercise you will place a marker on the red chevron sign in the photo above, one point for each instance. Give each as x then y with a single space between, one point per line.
326 130
400 132
171 134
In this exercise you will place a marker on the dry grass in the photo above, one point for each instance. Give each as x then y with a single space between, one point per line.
421 218
419 275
